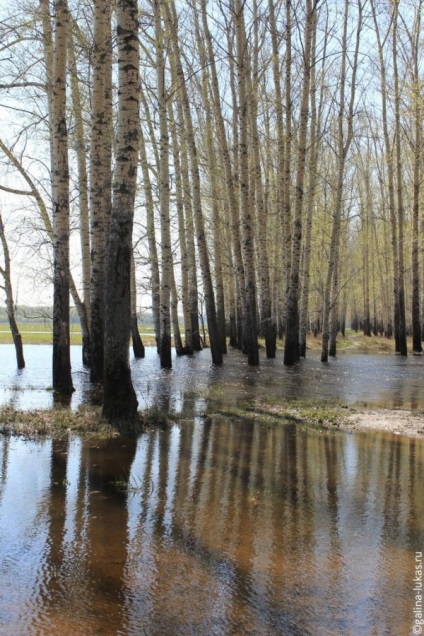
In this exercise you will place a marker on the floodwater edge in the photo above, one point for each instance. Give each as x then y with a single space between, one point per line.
322 416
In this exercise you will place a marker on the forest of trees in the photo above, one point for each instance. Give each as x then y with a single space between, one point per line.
260 157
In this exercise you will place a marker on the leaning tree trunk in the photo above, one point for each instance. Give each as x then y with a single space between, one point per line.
62 379
44 216
120 401
10 306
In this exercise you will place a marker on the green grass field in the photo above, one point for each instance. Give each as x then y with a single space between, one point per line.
42 334
353 341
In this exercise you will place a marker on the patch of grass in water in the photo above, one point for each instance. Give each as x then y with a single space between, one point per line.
311 414
86 421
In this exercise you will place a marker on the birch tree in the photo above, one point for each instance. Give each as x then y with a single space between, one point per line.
291 346
62 380
100 179
119 396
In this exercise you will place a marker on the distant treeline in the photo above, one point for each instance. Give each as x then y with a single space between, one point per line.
43 315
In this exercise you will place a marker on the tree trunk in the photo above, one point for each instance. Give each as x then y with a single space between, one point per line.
165 223
120 401
344 140
403 350
10 306
174 316
417 106
137 343
151 240
251 337
195 177
185 264
316 119
268 327
82 192
291 345
230 180
62 379
390 179
100 180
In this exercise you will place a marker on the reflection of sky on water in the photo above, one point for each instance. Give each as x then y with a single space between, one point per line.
384 380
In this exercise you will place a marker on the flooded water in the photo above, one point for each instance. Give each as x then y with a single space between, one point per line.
211 528
370 380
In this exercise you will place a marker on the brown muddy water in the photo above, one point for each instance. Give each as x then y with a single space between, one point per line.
213 527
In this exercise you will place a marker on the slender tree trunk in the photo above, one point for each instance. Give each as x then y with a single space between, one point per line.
137 343
287 220
267 324
291 345
174 316
119 396
62 379
418 121
197 204
100 180
10 305
44 216
344 140
281 254
165 223
316 119
151 240
403 350
190 244
185 265
82 192
230 180
390 182
251 337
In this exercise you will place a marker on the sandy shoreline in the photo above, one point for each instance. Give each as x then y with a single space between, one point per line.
400 422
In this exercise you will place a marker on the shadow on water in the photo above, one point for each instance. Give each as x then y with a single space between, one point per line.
211 528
